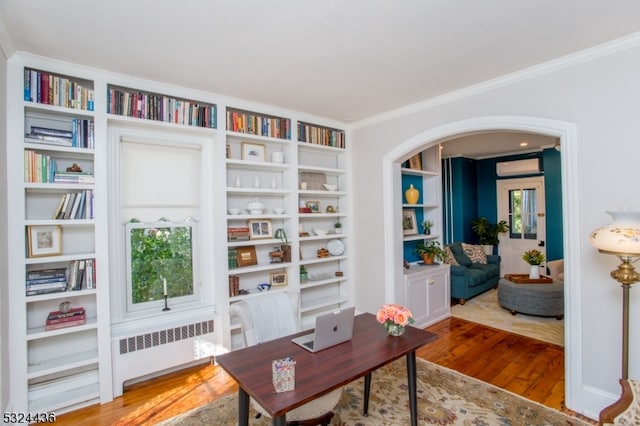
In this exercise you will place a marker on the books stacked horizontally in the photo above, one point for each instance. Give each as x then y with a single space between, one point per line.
46 281
75 205
59 319
61 176
80 135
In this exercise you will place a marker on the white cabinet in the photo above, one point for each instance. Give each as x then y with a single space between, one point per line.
323 203
427 293
56 259
266 166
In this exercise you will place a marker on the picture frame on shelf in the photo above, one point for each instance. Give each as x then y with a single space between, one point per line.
246 256
44 240
314 206
415 162
252 151
260 228
409 223
278 279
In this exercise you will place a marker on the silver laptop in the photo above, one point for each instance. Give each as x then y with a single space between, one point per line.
331 329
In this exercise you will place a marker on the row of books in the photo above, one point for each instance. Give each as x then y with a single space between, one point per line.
75 205
52 89
132 103
81 274
59 319
41 168
80 135
321 135
255 124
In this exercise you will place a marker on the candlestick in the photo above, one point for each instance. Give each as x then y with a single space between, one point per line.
166 308
164 286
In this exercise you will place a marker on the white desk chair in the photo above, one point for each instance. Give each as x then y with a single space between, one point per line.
270 315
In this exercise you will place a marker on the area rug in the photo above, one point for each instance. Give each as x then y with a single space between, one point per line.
445 397
485 309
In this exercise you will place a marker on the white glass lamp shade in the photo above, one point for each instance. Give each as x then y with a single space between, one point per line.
622 236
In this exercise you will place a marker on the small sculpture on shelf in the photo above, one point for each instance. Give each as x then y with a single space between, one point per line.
285 248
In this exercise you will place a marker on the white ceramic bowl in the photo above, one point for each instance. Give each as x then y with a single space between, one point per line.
329 187
320 232
278 210
234 211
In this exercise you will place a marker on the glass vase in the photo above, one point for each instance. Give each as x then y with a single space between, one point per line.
395 330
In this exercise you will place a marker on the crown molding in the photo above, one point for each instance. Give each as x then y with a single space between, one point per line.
618 45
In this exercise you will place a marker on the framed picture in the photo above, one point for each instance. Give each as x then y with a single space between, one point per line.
247 256
260 228
314 206
253 151
278 279
415 162
44 240
409 224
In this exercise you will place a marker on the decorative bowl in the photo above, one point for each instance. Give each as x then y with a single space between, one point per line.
278 210
330 187
320 232
234 211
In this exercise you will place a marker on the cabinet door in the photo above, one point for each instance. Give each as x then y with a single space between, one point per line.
416 295
438 298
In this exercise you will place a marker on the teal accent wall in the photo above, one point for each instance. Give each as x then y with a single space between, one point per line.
474 194
409 246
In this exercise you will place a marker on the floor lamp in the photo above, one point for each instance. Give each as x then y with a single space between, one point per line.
621 238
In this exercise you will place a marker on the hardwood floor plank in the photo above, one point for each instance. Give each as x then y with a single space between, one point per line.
525 366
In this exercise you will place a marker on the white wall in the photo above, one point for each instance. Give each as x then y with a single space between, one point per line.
599 92
4 245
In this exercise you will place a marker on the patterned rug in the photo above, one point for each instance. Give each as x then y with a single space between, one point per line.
445 397
485 309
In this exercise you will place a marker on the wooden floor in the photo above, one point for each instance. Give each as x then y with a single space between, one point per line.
531 368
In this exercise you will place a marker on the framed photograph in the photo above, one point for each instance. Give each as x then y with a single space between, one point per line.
260 228
253 151
278 279
314 206
409 224
415 162
44 240
247 256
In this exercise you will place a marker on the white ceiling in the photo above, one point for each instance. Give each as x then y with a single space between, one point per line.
346 60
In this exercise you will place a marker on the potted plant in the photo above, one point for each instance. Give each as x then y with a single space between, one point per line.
488 232
534 258
286 248
426 225
430 251
337 227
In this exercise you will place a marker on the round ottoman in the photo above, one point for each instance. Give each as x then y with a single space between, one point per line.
545 300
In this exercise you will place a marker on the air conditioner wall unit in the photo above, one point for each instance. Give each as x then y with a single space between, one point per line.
518 167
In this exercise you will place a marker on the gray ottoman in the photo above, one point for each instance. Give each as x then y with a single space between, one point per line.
545 300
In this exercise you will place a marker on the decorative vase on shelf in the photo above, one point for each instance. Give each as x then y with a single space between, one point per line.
412 195
534 272
395 330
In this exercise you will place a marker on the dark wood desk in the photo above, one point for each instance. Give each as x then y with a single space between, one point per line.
319 373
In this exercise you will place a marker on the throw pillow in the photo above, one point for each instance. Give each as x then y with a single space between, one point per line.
458 254
475 253
450 259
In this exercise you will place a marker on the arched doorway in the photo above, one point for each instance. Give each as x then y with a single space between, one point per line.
567 134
